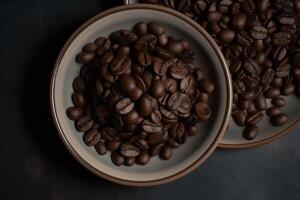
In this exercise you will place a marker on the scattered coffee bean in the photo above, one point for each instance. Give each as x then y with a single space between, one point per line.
91 137
250 132
279 120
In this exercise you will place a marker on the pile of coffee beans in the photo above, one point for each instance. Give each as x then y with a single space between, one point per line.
260 41
139 94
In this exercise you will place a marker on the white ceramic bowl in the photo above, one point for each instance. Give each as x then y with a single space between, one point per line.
188 156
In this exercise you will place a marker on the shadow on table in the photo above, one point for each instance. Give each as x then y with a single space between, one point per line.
36 104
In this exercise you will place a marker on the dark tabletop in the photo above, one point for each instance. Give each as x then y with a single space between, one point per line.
36 165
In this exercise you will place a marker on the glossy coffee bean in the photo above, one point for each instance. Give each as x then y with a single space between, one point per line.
274 111
166 152
279 120
255 118
279 101
129 161
239 117
203 111
79 99
132 118
250 132
288 89
174 47
155 29
117 159
100 148
260 102
113 145
85 57
127 83
158 88
91 137
124 106
140 28
84 123
272 93
143 158
74 113
145 106
206 86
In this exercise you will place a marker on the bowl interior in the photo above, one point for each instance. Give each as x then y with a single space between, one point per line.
195 148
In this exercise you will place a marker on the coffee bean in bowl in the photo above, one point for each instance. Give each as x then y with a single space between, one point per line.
260 41
133 103
116 105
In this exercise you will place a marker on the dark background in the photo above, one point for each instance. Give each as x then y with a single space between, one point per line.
35 164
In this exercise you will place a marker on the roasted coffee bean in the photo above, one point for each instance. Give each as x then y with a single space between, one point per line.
100 148
175 100
281 38
174 47
239 21
250 132
166 152
239 117
85 57
91 137
155 29
203 111
171 85
206 86
127 83
145 106
140 28
203 97
259 32
272 93
158 88
109 133
156 117
151 127
124 106
276 82
187 84
129 161
279 101
79 99
117 159
107 57
144 59
84 123
129 150
162 39
260 102
248 95
79 85
255 118
143 158
123 37
193 130
157 137
239 86
279 120
283 70
146 43
74 113
178 71
288 89
251 66
274 111
227 35
132 118
178 132
155 149
113 145
120 64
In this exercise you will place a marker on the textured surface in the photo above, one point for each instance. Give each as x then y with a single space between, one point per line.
35 164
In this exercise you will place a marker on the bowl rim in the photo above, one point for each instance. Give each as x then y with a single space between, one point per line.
181 172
